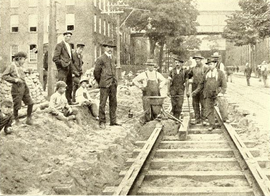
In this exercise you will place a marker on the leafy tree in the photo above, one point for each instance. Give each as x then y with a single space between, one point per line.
170 18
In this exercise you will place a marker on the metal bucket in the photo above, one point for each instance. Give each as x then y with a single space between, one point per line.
156 103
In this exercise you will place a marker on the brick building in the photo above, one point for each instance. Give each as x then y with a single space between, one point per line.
21 21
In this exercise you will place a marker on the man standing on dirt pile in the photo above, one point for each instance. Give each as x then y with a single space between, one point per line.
63 60
197 101
105 75
176 86
212 85
77 69
247 73
150 82
19 91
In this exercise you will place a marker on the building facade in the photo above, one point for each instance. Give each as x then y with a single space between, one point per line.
24 21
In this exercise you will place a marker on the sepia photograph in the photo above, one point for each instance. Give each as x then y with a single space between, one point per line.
135 97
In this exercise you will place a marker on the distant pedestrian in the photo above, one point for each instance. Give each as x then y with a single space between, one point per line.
213 85
237 68
150 82
6 116
84 99
63 60
264 73
19 91
77 69
177 82
105 75
247 73
229 72
59 106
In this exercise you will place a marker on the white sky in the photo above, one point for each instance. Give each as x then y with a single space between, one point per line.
219 5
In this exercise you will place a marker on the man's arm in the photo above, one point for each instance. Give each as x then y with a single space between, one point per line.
57 55
137 80
161 79
98 70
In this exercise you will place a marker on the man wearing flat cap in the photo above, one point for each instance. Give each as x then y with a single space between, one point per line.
63 61
197 101
77 69
105 75
176 85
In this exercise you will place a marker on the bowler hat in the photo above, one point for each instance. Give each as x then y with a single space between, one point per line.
216 55
198 56
210 60
80 45
20 55
60 84
67 32
84 79
109 43
150 62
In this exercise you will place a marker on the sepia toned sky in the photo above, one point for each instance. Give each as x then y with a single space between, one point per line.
219 5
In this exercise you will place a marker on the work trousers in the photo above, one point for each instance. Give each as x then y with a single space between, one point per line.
210 110
76 85
20 92
198 106
93 109
177 103
66 76
110 92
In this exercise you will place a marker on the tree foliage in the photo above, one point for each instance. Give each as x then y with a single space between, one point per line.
249 25
170 18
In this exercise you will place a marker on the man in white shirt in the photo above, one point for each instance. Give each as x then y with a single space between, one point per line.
150 82
63 61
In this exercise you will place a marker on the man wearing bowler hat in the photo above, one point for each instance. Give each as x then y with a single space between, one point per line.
217 57
63 60
176 85
105 75
197 101
77 69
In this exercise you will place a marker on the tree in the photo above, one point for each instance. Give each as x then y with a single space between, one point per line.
170 18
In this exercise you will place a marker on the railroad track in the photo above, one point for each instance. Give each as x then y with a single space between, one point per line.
203 163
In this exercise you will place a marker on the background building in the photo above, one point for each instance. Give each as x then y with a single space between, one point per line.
24 22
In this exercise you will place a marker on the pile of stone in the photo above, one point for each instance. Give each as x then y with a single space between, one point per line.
33 83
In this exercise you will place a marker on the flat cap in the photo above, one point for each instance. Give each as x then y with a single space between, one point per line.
20 55
67 32
80 45
60 84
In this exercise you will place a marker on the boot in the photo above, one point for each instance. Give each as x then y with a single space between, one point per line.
29 120
16 117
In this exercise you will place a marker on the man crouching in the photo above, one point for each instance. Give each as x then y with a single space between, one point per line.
59 105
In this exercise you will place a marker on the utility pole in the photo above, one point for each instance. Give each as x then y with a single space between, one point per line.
40 39
52 43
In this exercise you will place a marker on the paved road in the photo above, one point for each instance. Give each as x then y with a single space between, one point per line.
254 98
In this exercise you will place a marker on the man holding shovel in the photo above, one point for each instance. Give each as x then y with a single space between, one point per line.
176 86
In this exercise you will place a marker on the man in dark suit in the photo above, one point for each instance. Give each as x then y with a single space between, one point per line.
105 75
63 60
77 69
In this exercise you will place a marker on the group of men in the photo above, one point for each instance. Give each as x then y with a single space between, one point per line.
261 72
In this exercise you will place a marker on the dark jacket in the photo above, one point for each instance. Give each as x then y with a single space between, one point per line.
198 73
212 90
247 72
61 57
105 71
77 64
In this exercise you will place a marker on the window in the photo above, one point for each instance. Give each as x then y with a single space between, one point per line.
112 30
104 5
70 2
32 3
95 23
33 53
99 4
70 21
95 3
104 27
13 50
109 33
72 45
14 3
100 25
14 23
32 21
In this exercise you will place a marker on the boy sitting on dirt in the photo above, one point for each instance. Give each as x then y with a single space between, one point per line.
83 98
59 105
6 116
